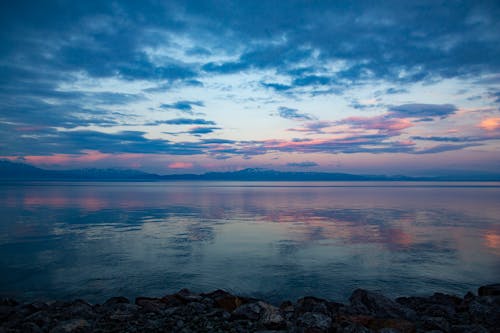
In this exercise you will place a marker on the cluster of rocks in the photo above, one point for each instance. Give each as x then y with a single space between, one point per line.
220 311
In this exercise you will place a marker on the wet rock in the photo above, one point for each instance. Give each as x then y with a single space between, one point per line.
485 310
251 311
468 329
489 290
376 324
354 328
314 320
116 300
148 304
435 323
372 303
187 296
31 328
72 326
228 302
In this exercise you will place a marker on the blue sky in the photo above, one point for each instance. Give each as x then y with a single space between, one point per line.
194 86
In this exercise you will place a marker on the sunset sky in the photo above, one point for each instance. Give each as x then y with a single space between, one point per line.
394 87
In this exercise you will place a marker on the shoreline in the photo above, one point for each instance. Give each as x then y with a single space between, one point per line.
220 311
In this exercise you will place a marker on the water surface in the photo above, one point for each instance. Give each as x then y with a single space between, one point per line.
273 240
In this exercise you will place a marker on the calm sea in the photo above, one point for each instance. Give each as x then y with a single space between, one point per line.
272 240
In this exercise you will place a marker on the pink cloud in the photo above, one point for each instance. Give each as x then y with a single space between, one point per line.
381 123
180 165
490 124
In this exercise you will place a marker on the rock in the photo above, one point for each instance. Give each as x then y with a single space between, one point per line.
439 310
116 300
389 330
249 311
187 296
8 302
314 320
271 316
371 303
354 328
435 323
489 290
225 300
373 323
468 329
31 328
72 326
485 310
148 304
312 304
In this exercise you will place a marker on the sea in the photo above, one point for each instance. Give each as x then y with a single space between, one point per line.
270 240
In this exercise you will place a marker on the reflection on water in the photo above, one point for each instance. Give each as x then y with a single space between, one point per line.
270 240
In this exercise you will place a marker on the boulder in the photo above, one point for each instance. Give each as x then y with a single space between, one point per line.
489 290
371 303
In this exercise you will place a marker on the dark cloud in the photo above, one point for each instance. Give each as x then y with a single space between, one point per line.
277 86
456 138
183 121
202 130
184 106
303 164
444 148
422 110
293 114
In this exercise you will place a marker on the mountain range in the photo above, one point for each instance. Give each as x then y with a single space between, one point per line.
20 171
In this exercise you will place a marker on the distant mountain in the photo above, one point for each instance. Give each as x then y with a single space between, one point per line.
20 171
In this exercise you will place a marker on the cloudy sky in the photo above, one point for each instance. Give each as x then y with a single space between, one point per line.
407 87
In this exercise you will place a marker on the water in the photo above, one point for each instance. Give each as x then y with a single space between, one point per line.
272 240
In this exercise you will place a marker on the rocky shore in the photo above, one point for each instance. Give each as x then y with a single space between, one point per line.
220 311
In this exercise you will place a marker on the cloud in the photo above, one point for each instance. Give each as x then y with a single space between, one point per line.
490 124
444 148
183 121
382 123
180 165
202 130
306 164
293 114
184 106
422 110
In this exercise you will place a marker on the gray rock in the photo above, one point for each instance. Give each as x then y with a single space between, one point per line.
435 323
486 310
468 329
371 303
72 326
316 320
31 328
116 300
389 330
354 328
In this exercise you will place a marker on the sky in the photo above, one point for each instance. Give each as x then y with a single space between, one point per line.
392 87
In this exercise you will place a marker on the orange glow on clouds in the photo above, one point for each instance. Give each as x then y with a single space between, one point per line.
490 124
180 165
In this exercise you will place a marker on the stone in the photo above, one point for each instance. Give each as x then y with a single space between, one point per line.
485 310
148 304
316 320
435 323
372 303
249 311
8 301
468 329
31 328
489 290
354 328
72 326
116 300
